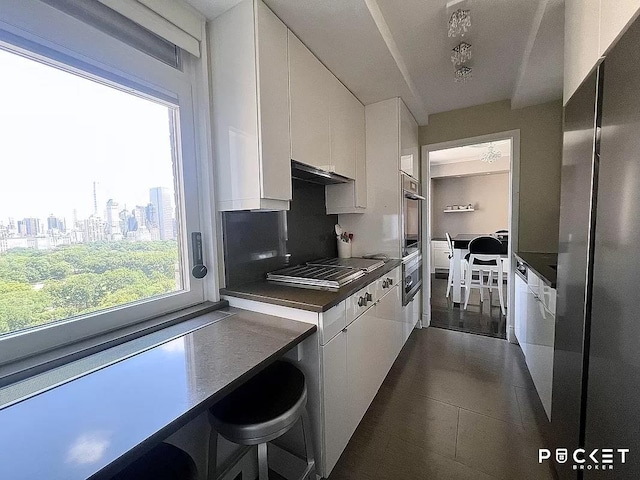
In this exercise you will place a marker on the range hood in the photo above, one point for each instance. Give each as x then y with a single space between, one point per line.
310 174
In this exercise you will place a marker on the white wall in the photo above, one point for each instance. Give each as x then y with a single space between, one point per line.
489 194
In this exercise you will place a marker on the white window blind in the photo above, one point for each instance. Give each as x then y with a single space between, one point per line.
172 20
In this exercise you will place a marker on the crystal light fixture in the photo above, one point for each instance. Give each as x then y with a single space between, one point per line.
491 154
462 74
459 22
461 54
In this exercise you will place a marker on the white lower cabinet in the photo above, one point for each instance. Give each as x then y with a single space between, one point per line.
535 330
389 310
347 361
337 425
439 255
363 361
520 311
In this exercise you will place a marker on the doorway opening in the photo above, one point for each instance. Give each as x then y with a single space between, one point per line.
472 187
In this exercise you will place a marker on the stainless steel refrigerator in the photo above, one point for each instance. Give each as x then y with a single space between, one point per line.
596 377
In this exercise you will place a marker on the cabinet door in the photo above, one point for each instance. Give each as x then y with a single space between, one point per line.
343 141
614 17
389 311
273 99
363 360
309 84
439 256
361 154
337 427
351 197
520 311
409 149
581 42
539 356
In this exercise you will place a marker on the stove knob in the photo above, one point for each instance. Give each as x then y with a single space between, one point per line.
362 301
390 281
369 297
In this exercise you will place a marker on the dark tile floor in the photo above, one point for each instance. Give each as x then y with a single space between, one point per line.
454 406
484 318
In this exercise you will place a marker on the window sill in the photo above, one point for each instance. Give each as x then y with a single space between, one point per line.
34 365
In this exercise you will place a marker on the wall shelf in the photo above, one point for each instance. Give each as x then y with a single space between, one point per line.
459 210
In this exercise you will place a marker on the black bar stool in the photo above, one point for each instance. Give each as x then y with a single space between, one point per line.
261 410
163 462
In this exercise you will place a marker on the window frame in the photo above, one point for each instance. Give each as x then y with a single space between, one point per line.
79 48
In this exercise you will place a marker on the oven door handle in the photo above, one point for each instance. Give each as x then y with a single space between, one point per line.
408 283
414 196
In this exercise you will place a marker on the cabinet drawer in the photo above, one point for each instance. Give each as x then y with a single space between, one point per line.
359 302
385 283
332 322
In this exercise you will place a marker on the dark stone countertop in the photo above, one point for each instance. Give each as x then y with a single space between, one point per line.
305 298
95 425
540 263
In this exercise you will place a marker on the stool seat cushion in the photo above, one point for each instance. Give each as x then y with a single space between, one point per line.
263 406
163 462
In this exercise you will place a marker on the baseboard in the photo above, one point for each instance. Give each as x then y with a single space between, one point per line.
511 335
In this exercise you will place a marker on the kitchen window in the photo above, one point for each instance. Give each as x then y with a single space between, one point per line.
100 187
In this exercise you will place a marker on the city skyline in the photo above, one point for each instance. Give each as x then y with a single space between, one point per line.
153 220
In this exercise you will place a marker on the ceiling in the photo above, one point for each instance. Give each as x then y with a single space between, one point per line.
384 48
468 153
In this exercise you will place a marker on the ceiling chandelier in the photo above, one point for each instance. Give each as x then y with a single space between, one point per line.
463 74
459 22
491 154
461 54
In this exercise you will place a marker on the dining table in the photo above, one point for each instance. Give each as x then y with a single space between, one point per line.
460 250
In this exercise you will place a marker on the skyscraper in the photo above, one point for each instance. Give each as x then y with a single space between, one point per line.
160 198
29 227
94 229
112 221
55 224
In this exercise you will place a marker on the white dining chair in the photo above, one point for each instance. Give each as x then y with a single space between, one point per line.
484 257
463 267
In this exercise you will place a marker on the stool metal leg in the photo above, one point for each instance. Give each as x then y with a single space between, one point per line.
212 461
263 465
310 472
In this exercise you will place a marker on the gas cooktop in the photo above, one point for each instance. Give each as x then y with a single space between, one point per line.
324 274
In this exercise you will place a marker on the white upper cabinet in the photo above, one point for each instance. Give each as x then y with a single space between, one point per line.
343 129
349 197
310 87
581 39
409 144
251 133
614 19
591 27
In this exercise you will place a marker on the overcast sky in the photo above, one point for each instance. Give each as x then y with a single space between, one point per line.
59 133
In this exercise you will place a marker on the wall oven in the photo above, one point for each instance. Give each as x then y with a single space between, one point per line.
412 278
411 214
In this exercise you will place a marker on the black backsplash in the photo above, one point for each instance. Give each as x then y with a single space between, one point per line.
259 242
